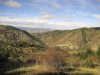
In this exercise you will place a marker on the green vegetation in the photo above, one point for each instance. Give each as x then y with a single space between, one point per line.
89 63
86 53
68 52
98 53
72 39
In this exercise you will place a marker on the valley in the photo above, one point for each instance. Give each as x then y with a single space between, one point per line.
57 52
49 37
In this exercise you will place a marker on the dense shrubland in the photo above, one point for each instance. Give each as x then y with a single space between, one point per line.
50 59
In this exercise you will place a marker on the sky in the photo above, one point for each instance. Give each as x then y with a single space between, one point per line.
53 14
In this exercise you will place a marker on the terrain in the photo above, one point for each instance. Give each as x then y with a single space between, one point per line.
59 52
72 39
17 46
12 36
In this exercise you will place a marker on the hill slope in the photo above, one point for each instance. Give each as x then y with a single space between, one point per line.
17 45
72 39
12 36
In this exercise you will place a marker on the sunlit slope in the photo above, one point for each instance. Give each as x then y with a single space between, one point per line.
12 36
72 39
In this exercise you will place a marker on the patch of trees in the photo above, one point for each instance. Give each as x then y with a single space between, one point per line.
13 54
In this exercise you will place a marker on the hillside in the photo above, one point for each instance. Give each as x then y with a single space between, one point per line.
72 39
17 45
22 53
18 38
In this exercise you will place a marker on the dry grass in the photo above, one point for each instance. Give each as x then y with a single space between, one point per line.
36 69
85 71
31 69
95 71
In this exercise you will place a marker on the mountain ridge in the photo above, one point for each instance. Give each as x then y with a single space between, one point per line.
73 39
14 36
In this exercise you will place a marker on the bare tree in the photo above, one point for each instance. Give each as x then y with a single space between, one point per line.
54 58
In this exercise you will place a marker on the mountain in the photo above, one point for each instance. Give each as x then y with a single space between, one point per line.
18 46
19 38
35 30
72 39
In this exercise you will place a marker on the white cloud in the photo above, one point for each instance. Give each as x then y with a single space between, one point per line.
39 22
83 14
46 20
12 3
51 3
88 3
47 15
69 24
56 5
97 16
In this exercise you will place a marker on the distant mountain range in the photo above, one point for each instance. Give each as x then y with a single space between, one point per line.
35 30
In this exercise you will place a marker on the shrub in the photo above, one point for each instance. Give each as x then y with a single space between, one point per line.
84 54
88 63
98 53
53 58
88 51
13 54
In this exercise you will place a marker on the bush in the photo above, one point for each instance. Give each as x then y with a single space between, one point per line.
12 54
98 53
88 51
53 58
88 63
84 54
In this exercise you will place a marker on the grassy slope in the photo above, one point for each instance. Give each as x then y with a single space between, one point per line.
75 39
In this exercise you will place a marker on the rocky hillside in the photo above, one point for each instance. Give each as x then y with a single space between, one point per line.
19 38
72 39
18 46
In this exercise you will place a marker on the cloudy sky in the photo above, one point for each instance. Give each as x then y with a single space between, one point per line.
56 14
